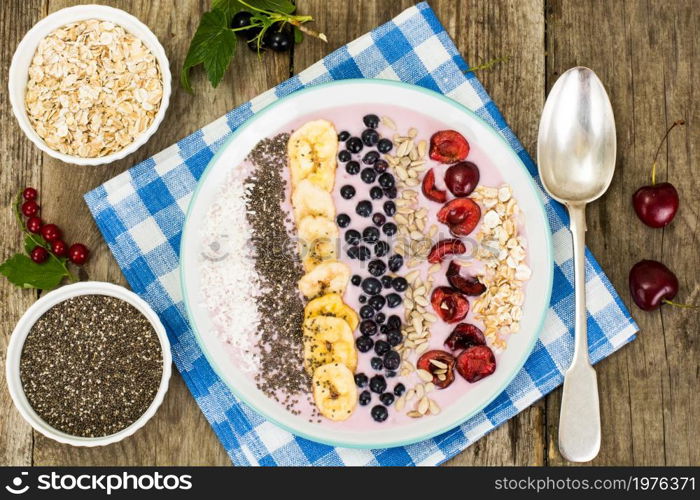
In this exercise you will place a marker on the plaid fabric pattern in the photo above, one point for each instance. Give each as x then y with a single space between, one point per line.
141 213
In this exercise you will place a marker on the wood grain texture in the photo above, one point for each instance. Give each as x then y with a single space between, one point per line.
646 53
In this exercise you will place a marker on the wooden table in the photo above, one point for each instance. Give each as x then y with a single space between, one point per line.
647 53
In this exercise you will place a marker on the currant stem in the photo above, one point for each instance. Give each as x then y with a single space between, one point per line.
71 277
658 150
677 304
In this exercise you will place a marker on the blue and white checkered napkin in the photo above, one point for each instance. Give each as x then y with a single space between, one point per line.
141 214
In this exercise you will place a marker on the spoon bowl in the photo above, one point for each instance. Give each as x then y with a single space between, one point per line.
576 145
576 149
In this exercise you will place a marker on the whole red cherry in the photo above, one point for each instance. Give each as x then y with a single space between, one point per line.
78 254
39 255
462 178
29 193
652 284
30 208
34 225
50 232
656 204
59 248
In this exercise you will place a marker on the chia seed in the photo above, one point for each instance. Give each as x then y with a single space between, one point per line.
91 365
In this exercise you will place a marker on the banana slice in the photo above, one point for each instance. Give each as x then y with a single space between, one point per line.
335 393
328 277
309 199
331 304
318 241
328 340
312 150
315 227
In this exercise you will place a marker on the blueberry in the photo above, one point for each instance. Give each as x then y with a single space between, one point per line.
368 328
389 229
390 208
386 281
400 284
361 379
386 180
394 337
364 208
344 135
380 166
364 344
390 374
392 359
399 389
366 312
352 167
391 192
395 262
381 248
379 413
344 156
371 121
378 219
381 347
347 191
370 158
365 398
377 302
380 317
371 286
393 300
384 145
376 267
394 322
368 175
363 253
377 384
354 144
370 234
376 192
383 329
387 398
352 252
370 137
343 220
376 363
356 279
352 237
362 299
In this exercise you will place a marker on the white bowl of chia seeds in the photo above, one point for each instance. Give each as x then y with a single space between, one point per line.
88 364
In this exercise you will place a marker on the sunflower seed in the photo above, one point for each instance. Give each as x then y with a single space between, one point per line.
437 363
410 394
400 403
422 146
425 375
442 377
422 348
423 405
434 408
388 122
414 414
429 387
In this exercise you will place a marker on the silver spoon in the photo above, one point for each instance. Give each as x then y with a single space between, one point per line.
576 156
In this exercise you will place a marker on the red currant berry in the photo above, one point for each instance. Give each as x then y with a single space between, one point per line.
34 225
29 194
59 248
50 232
30 208
78 254
39 254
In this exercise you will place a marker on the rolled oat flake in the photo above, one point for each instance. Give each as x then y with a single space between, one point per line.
91 365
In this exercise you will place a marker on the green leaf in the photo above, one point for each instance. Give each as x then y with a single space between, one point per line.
284 6
298 35
25 273
228 7
213 46
31 241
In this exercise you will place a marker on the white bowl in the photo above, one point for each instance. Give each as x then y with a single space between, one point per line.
315 101
19 335
19 69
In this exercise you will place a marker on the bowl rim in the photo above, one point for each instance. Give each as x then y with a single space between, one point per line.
548 245
19 336
17 79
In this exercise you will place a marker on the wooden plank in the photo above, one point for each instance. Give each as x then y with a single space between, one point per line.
477 29
21 166
178 434
643 52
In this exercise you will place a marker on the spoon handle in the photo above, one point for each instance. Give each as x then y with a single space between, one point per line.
579 420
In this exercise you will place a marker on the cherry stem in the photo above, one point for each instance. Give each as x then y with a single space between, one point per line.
677 304
658 150
39 243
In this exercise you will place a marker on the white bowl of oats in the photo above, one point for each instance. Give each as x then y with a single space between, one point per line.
89 84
